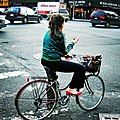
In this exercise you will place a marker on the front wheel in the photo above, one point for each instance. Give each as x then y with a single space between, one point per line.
11 21
25 20
34 102
93 93
39 20
66 20
107 25
93 24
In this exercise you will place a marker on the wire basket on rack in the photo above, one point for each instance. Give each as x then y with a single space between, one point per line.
92 63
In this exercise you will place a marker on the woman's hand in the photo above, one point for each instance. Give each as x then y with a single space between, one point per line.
75 40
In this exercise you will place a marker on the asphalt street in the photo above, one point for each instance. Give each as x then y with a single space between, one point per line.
20 51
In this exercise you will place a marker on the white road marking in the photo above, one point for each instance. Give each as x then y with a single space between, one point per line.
1 54
12 74
37 56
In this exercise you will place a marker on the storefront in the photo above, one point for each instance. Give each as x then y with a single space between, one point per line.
83 8
80 9
114 5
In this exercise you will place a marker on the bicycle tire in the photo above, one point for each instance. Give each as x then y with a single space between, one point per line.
32 101
93 93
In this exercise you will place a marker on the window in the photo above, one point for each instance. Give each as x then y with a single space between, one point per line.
63 11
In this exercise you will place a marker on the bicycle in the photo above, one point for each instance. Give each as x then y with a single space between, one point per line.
37 99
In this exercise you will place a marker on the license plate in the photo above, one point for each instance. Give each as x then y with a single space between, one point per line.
96 18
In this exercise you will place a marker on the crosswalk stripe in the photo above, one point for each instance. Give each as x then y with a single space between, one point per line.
12 74
1 54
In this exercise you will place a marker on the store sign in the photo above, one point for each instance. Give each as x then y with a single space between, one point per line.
106 4
81 2
78 3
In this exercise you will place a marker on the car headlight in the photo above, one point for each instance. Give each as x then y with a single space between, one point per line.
2 20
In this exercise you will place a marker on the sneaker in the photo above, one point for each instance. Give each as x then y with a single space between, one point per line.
70 91
81 90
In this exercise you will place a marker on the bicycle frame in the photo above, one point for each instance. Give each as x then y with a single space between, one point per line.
42 94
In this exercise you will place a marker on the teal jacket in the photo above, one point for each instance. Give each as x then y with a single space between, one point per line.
53 50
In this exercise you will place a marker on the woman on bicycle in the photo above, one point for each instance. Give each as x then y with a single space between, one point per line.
54 48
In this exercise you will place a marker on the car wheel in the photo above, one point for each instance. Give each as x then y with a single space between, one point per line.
39 19
25 20
107 24
48 18
66 20
11 21
93 24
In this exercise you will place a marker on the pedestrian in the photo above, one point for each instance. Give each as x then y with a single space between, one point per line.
54 48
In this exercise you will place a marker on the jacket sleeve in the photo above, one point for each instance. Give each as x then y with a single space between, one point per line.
65 49
69 47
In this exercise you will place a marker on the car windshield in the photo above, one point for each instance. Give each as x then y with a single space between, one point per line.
98 13
14 9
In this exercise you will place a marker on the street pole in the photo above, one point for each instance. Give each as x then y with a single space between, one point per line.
73 9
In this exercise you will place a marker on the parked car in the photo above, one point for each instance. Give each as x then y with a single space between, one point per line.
2 11
62 12
106 18
2 23
2 18
22 13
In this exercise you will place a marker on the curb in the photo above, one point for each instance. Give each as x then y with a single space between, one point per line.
81 20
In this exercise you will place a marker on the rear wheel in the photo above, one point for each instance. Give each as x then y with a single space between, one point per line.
34 102
48 18
11 21
93 24
93 93
66 20
39 19
25 20
107 25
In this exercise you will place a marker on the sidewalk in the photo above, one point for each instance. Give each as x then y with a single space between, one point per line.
81 20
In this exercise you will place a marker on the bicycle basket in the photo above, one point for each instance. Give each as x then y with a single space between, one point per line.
92 63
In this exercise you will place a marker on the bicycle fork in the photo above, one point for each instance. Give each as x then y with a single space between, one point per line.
88 87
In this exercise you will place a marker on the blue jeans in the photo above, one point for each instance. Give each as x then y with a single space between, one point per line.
66 66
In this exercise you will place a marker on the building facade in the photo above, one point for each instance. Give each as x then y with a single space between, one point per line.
83 8
79 8
30 3
4 3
